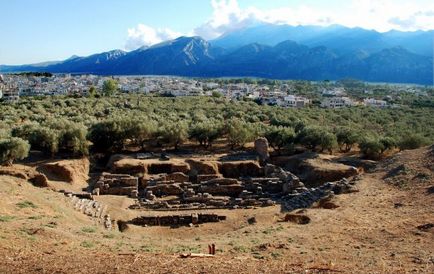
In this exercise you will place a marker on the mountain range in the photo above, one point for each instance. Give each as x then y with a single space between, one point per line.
270 51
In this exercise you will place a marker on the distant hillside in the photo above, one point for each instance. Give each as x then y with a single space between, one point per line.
336 37
270 51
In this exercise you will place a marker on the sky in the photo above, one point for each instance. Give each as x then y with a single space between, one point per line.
34 31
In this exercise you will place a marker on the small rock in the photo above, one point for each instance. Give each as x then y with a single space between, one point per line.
252 220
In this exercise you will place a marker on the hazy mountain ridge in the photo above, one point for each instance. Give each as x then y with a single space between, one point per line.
330 53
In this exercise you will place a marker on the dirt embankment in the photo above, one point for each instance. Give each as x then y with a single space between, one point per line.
75 171
315 169
26 173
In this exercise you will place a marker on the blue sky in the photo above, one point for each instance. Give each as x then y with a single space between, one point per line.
41 30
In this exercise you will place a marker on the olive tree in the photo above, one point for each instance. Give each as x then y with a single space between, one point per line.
110 87
347 138
174 134
280 137
314 137
239 133
412 141
205 133
13 149
371 147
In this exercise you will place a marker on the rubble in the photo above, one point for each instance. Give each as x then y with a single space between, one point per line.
304 198
117 184
199 184
177 220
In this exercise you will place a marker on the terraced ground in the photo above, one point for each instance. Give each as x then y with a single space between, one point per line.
386 227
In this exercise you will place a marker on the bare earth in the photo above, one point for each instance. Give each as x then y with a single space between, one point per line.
372 231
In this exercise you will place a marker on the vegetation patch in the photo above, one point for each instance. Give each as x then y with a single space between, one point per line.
88 229
26 204
87 244
5 218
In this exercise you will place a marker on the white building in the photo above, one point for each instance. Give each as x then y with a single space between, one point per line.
334 92
337 102
295 101
370 102
10 93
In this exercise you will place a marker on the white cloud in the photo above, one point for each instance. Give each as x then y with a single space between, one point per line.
227 16
381 15
144 35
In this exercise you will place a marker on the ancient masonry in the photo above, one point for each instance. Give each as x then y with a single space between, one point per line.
196 184
193 184
117 184
177 220
85 204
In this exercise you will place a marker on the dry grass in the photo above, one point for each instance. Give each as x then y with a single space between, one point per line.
368 233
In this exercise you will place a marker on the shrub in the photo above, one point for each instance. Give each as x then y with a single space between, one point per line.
388 143
412 141
40 138
13 149
110 87
313 137
280 137
174 134
239 133
347 138
371 148
205 133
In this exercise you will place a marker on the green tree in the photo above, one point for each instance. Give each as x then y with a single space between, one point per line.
239 133
93 92
13 149
314 137
412 141
40 138
205 133
174 134
110 87
388 143
280 137
142 131
371 148
328 142
73 139
347 138
107 136
216 94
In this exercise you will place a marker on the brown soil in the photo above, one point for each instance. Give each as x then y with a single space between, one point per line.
71 171
372 231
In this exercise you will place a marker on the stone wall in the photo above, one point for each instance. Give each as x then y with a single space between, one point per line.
177 220
117 184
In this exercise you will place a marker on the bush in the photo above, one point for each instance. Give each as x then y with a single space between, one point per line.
73 139
412 141
314 137
371 148
280 137
388 143
110 87
40 138
347 138
107 136
13 149
174 134
239 133
205 133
